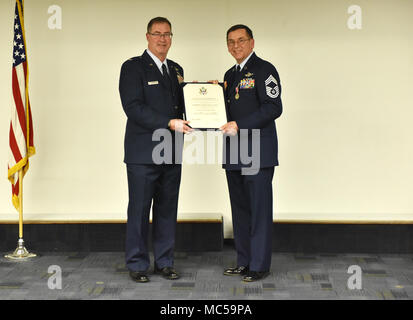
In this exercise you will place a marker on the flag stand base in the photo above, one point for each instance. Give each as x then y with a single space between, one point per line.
21 253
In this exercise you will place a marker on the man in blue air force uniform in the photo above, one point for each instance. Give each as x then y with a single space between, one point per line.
152 99
253 96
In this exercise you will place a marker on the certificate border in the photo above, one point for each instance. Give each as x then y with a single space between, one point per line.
183 84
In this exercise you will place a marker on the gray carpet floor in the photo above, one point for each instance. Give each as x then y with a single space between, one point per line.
102 275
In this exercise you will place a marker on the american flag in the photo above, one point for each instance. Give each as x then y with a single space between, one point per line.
21 125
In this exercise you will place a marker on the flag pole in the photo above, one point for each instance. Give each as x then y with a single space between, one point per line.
21 253
21 204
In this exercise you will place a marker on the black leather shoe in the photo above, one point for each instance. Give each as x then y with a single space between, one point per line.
238 271
255 276
139 276
168 273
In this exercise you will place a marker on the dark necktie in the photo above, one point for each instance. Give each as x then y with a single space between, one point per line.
165 75
238 68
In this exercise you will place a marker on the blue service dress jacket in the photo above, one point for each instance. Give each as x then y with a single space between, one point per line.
149 102
253 100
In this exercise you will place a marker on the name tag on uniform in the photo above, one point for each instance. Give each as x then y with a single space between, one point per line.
151 83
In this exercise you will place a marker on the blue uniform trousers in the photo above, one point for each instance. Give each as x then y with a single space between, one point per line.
252 217
160 184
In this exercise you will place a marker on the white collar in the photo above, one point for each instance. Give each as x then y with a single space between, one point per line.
242 64
158 62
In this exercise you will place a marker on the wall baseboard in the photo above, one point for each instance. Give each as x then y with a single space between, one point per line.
51 237
192 236
343 238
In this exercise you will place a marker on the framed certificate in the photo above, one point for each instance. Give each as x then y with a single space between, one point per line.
204 105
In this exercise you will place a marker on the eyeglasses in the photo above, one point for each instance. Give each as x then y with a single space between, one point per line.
239 42
161 35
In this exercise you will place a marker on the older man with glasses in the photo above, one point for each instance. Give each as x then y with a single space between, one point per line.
152 99
253 96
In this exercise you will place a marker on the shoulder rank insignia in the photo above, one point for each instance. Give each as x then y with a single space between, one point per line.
179 76
273 91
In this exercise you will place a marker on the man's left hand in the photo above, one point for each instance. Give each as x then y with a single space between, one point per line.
230 128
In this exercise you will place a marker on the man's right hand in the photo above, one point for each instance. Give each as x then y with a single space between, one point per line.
180 125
